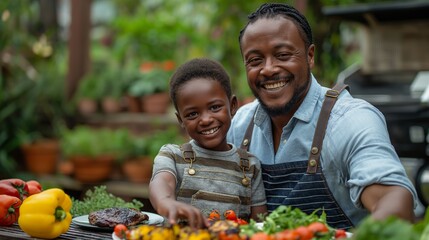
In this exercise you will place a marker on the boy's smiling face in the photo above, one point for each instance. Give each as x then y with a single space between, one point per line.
205 112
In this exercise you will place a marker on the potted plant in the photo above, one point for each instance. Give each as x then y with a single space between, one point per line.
112 90
88 94
152 85
138 167
44 110
94 151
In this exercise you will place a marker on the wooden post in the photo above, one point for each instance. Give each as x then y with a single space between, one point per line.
79 41
301 6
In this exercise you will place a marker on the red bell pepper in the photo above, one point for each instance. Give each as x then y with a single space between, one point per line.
33 187
14 187
9 209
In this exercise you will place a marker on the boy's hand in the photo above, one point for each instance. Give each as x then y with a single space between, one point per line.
174 210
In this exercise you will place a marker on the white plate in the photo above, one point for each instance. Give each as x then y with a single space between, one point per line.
82 221
114 237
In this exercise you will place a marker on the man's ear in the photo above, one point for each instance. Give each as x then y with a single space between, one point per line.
233 105
179 119
310 55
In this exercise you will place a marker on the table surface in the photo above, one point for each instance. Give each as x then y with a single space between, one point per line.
74 233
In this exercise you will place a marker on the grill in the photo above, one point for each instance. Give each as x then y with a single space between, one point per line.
394 77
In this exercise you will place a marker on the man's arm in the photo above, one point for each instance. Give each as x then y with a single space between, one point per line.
384 201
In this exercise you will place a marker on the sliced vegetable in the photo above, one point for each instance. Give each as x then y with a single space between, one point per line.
46 214
9 209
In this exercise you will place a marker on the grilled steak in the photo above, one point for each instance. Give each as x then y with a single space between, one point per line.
110 217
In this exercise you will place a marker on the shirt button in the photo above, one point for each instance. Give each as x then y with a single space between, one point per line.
284 141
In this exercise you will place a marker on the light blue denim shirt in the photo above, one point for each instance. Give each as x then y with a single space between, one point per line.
356 152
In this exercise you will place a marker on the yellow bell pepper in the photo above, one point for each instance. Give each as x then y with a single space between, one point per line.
46 214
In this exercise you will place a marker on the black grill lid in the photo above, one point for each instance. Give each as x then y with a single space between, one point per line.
382 12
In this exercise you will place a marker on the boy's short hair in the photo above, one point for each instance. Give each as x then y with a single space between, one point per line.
199 68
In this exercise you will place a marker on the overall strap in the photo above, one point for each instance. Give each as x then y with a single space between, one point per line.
187 151
331 97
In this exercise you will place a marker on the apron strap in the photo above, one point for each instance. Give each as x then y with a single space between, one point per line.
244 159
245 144
331 97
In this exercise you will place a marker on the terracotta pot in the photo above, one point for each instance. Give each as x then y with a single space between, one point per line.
157 103
111 105
138 170
92 169
41 157
133 104
87 106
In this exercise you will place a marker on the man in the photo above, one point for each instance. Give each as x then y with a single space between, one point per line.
348 168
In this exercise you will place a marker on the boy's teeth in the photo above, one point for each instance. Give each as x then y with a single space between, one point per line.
210 131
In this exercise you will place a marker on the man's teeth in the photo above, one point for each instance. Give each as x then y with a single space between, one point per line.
210 131
274 85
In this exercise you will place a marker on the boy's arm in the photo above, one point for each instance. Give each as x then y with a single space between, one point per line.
161 188
163 199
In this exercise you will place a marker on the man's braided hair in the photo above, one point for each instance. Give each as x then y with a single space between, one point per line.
272 10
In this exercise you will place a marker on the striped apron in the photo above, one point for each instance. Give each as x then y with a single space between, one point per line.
301 183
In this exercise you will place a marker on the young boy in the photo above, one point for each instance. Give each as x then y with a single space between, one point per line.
207 173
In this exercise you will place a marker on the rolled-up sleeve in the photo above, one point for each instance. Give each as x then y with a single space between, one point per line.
362 138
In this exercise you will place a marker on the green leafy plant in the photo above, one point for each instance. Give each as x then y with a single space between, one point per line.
99 198
89 87
86 141
161 137
154 81
150 77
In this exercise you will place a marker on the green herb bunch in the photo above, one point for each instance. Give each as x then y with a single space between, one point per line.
98 199
283 217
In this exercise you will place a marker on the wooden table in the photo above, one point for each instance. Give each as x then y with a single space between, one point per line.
74 233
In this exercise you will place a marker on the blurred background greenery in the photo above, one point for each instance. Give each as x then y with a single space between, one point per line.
126 36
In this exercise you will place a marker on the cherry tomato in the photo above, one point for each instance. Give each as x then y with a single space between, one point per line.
317 227
340 233
304 233
230 215
241 221
121 231
214 214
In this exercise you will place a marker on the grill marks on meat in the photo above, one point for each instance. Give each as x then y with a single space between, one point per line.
110 217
